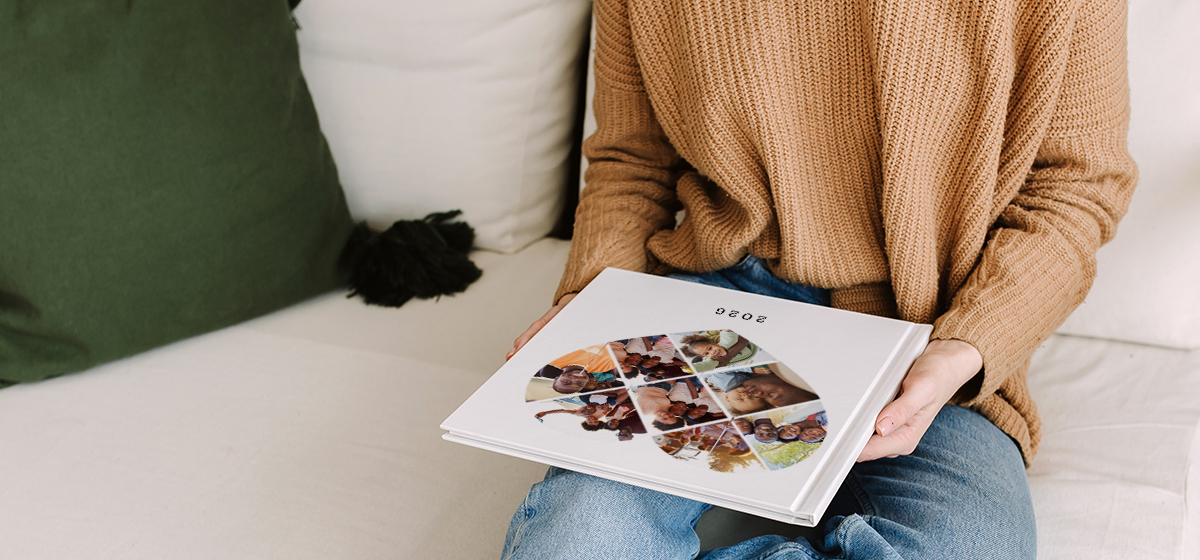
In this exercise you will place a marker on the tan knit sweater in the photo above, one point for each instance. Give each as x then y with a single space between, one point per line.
945 162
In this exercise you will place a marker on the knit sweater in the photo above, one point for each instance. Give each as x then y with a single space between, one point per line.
954 163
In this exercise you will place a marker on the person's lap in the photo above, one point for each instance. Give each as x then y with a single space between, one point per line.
961 494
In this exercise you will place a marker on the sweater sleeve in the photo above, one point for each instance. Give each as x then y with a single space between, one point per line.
632 167
1039 259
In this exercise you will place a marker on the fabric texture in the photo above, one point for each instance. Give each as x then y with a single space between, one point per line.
450 104
898 154
162 174
961 495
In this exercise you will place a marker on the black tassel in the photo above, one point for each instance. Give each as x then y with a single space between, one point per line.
413 258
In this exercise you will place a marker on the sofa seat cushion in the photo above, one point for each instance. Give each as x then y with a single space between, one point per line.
313 433
308 433
1118 440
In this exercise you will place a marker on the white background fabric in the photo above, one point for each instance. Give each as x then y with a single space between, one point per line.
1148 282
437 105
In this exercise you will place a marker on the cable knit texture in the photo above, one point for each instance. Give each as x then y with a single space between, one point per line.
954 163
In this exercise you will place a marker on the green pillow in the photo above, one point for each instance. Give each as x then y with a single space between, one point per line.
162 174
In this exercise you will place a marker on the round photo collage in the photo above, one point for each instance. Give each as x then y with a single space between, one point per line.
713 398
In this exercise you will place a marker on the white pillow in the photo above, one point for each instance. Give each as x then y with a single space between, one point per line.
1148 285
436 105
589 116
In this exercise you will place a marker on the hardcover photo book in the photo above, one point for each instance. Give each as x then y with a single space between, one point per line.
748 402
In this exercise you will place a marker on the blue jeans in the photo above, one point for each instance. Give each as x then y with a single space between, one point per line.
962 494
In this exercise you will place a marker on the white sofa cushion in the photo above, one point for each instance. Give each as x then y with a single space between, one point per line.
1148 283
1118 426
431 106
312 433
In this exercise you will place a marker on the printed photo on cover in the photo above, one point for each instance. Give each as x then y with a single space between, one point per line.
648 358
785 436
585 370
606 412
758 388
718 446
677 403
714 350
746 411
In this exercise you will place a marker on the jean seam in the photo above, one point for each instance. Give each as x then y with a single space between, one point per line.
525 510
696 518
788 554
860 495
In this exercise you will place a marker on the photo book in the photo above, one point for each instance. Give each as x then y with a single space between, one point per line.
744 401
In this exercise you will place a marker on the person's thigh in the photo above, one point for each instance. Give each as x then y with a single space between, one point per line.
961 494
572 515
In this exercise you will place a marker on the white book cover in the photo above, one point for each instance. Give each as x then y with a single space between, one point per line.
744 401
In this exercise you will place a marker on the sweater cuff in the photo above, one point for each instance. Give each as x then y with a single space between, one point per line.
571 284
1003 354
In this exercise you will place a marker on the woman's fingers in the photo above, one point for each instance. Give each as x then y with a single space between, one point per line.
901 438
525 336
537 325
901 424
933 379
923 387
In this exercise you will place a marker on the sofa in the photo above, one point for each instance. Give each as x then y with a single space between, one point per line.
312 432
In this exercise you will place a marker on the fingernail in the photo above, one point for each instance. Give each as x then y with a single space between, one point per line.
885 426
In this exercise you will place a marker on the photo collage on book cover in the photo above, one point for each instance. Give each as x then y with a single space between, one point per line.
712 398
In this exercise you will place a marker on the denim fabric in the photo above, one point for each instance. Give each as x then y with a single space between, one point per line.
752 275
962 494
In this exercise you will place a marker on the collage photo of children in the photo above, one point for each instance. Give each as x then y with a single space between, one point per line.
708 396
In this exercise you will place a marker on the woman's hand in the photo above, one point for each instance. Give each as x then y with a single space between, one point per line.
538 324
936 375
